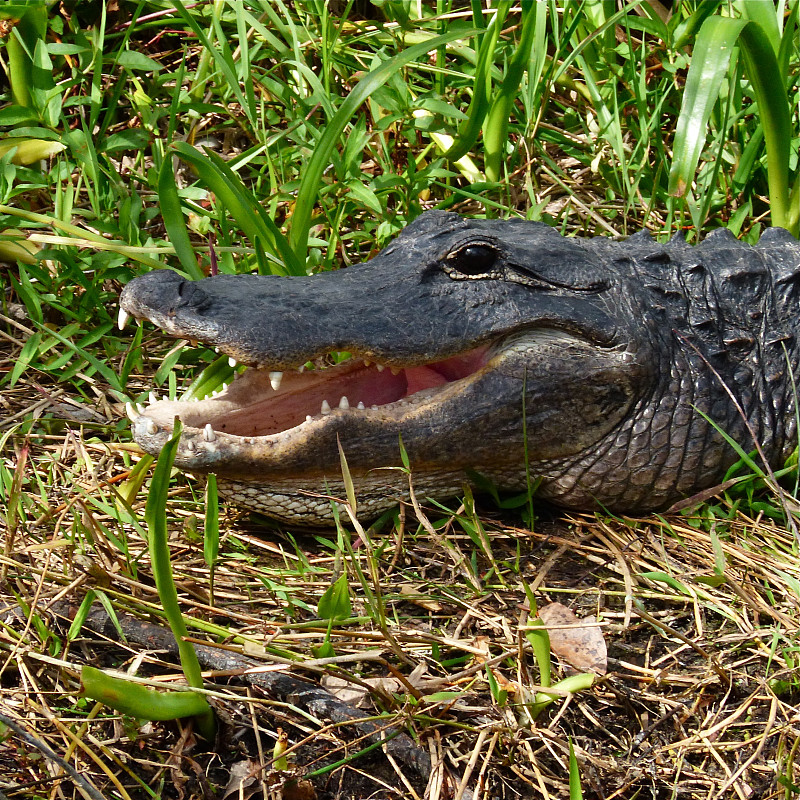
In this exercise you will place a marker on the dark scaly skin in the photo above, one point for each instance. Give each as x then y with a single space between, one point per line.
613 349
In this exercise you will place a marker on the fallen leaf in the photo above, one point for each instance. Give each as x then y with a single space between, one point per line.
356 695
412 593
242 774
579 642
348 692
481 643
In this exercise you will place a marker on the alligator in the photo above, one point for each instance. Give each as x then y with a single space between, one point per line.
614 373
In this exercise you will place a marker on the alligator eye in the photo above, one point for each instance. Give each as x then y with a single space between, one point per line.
474 259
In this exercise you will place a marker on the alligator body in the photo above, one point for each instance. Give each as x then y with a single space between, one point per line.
491 347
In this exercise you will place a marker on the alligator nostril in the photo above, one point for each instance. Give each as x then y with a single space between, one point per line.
191 294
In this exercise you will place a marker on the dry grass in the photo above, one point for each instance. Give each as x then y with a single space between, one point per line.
700 620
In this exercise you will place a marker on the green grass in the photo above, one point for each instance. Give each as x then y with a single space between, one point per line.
274 137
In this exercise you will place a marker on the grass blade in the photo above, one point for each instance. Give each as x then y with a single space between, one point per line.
211 528
495 134
101 366
235 198
211 532
710 64
686 29
138 701
174 222
30 29
766 17
156 518
575 790
222 57
710 60
761 67
309 187
479 105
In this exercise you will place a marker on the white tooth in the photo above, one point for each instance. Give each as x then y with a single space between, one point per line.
395 370
213 394
152 428
122 318
190 446
131 412
360 406
216 349
140 408
231 361
325 408
367 363
275 379
208 433
309 417
224 387
344 403
380 367
152 398
374 408
302 368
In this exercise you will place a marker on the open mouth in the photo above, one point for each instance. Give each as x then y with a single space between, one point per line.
263 403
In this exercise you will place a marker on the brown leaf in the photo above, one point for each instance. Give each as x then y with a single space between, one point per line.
356 695
412 593
346 691
578 642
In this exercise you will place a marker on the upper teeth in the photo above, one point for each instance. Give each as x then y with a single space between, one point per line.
122 318
275 379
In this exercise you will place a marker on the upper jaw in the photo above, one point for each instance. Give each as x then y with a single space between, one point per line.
280 324
395 317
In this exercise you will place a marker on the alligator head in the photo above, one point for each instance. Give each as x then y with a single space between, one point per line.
495 347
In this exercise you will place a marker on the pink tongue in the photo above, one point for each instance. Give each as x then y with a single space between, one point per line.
420 378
